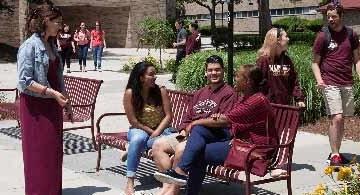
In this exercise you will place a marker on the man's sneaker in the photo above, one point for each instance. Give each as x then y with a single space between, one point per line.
170 176
68 70
337 160
99 69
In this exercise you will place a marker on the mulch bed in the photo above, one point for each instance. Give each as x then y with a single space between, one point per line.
352 128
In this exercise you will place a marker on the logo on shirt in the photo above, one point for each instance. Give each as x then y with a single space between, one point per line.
279 70
332 45
205 106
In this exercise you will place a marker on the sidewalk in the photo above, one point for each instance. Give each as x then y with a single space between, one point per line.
79 176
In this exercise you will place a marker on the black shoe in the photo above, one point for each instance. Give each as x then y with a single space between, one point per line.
170 176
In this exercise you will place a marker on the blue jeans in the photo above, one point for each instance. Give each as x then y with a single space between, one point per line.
138 142
214 154
97 54
83 50
196 144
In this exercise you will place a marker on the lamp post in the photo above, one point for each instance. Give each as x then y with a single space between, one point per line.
222 12
230 70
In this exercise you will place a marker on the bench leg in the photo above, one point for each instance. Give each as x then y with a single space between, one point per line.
98 158
93 137
289 185
247 184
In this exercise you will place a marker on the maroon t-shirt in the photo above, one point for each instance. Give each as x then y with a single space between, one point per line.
193 43
336 60
206 102
282 80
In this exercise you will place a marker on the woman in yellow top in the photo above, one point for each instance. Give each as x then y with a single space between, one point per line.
148 110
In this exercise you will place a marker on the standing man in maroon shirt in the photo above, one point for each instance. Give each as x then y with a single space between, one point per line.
335 52
193 41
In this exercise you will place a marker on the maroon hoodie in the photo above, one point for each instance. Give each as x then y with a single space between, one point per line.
282 81
206 102
193 43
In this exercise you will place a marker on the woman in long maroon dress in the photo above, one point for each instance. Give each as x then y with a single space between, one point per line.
42 98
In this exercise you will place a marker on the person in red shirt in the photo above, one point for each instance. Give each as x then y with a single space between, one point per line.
251 119
97 44
336 50
193 42
278 69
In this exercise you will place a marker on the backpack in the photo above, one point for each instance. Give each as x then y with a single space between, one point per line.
350 35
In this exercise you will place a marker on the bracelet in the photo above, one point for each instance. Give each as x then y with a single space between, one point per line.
43 92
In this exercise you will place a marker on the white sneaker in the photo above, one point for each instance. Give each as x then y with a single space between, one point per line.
99 69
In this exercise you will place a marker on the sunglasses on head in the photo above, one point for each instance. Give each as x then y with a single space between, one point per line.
278 32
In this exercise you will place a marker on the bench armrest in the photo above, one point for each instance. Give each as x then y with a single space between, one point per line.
11 89
106 115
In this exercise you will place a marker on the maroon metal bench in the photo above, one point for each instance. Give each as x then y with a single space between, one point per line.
287 120
9 110
82 93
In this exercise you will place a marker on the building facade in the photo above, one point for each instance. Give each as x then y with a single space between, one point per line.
247 16
119 18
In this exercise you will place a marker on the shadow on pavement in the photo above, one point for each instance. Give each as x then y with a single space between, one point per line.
84 190
297 167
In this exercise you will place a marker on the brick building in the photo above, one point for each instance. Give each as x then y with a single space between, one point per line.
119 18
247 16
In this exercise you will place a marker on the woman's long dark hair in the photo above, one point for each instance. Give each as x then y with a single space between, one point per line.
135 85
256 76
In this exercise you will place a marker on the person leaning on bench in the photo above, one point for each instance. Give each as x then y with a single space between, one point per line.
216 97
251 120
148 110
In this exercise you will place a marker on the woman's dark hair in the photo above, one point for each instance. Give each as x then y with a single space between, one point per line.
63 28
256 76
35 22
194 25
135 85
214 59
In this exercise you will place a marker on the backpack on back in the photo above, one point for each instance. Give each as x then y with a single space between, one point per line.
350 35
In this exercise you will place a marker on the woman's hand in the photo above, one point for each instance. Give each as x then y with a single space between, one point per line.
155 133
60 98
69 112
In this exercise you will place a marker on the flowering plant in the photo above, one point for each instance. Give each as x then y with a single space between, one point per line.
347 180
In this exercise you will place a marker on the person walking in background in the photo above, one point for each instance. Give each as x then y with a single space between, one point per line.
278 69
82 37
147 107
97 44
193 42
42 98
336 50
179 45
66 46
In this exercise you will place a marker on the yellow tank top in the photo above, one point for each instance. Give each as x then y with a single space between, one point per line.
151 115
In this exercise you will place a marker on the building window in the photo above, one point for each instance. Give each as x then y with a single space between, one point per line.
244 14
298 10
286 11
255 13
292 11
276 12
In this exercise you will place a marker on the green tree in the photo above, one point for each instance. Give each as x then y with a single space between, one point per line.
156 33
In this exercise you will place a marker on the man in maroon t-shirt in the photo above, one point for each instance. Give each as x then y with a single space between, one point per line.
216 97
332 66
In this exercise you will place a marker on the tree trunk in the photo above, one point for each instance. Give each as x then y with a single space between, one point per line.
161 65
264 17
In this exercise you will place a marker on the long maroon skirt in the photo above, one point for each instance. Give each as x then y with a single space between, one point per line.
41 128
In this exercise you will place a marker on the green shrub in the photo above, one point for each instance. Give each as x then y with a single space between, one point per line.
191 72
220 37
205 30
315 25
133 61
245 41
302 37
170 65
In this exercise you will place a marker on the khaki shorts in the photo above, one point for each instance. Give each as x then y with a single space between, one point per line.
171 140
339 100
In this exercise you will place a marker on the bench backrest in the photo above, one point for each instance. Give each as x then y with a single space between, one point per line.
180 105
83 93
286 123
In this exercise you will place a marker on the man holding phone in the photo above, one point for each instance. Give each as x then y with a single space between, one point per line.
216 97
